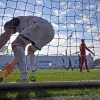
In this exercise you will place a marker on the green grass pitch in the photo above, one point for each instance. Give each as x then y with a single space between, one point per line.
58 75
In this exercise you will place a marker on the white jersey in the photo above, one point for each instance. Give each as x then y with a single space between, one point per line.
37 29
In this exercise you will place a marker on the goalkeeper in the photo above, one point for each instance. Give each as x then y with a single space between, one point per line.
32 29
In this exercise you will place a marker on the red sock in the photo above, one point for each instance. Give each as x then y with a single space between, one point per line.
8 68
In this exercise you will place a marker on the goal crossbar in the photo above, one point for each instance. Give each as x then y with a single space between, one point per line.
22 86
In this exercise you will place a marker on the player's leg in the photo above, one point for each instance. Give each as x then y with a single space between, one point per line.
18 47
20 57
8 68
31 61
31 51
86 65
81 63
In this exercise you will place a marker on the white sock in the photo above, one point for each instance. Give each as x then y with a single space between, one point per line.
24 76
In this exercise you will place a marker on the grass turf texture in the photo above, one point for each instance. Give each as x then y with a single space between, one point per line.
58 75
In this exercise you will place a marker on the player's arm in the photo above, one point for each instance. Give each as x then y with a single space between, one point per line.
6 35
4 38
89 50
10 28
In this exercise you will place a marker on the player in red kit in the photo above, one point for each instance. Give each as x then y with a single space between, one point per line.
83 59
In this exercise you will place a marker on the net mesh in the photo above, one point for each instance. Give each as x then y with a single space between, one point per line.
71 19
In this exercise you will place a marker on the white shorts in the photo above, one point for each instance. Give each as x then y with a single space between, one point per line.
39 33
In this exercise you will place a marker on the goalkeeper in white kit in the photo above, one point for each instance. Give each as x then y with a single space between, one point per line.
32 29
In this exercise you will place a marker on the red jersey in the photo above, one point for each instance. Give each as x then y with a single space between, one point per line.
82 49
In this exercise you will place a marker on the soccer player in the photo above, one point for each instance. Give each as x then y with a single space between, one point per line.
83 59
32 29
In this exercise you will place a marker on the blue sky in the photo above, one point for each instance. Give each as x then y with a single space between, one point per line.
81 18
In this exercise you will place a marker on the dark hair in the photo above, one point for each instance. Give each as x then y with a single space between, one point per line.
83 40
12 23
